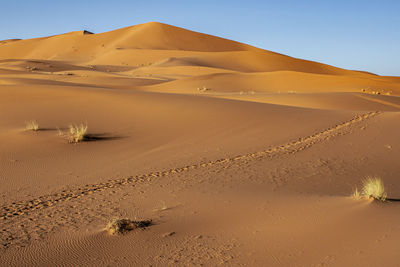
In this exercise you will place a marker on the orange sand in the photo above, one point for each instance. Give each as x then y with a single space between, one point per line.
239 155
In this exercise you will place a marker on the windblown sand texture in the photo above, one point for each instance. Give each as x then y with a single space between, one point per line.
237 155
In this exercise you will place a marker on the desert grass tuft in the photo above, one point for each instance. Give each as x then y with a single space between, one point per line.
356 194
60 132
32 125
77 133
372 188
121 226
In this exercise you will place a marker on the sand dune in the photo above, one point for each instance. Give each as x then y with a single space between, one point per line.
333 101
152 53
239 155
280 81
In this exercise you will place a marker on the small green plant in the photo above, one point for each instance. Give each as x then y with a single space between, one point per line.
77 133
32 125
120 226
372 188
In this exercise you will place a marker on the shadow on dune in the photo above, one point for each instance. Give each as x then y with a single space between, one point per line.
46 129
101 137
88 137
393 199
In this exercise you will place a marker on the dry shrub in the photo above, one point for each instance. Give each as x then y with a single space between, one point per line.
120 226
77 133
372 188
32 125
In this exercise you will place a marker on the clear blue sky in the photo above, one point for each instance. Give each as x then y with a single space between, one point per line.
352 34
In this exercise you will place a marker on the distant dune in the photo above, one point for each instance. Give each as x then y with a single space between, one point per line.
153 48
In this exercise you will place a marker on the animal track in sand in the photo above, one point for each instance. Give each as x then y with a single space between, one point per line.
13 210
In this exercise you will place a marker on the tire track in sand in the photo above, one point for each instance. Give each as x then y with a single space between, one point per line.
15 209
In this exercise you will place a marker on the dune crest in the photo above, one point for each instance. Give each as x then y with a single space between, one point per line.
150 51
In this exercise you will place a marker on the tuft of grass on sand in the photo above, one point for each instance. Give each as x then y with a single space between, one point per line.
32 125
356 194
121 226
77 133
203 89
372 188
60 132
